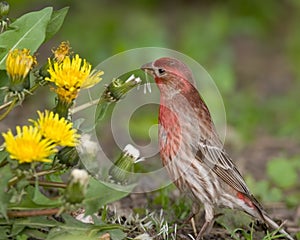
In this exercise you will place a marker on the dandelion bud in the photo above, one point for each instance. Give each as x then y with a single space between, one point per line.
77 186
118 88
68 156
124 166
114 92
18 65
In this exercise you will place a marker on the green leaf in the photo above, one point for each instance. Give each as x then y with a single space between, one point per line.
3 155
282 172
56 234
73 228
4 78
4 229
40 199
17 229
28 31
232 219
101 110
100 193
5 175
22 237
117 234
34 234
36 222
292 200
4 82
34 200
56 22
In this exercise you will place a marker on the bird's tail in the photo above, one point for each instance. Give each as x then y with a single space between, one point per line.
274 225
265 217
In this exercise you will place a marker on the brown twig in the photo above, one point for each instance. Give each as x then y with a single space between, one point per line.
49 184
32 213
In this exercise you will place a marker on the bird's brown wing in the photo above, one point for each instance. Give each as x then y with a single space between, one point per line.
221 164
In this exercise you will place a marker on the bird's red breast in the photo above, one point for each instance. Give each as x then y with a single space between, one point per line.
169 132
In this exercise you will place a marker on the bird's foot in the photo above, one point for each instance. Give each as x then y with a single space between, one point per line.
206 228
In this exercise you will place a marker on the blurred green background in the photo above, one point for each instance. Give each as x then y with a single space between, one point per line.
250 48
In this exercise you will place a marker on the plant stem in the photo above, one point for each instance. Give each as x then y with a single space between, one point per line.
14 180
10 107
32 213
46 172
84 106
4 105
49 184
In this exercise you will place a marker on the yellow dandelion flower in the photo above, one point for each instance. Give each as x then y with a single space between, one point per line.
18 64
28 145
56 129
70 76
61 52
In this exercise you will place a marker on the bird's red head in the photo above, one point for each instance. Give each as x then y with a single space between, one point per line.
170 72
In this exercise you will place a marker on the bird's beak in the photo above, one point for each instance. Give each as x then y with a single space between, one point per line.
148 68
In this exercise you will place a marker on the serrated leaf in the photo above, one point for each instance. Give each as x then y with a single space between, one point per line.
56 22
100 193
28 31
32 200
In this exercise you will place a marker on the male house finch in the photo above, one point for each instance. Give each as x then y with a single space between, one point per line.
191 150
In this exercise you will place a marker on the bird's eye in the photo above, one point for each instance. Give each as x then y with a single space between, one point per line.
161 71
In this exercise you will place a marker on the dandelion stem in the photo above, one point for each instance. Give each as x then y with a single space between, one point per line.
10 107
84 106
15 179
5 105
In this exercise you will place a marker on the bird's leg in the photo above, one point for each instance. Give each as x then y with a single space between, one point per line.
207 226
209 221
195 210
189 218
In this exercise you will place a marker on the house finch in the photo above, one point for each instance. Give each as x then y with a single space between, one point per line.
191 150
